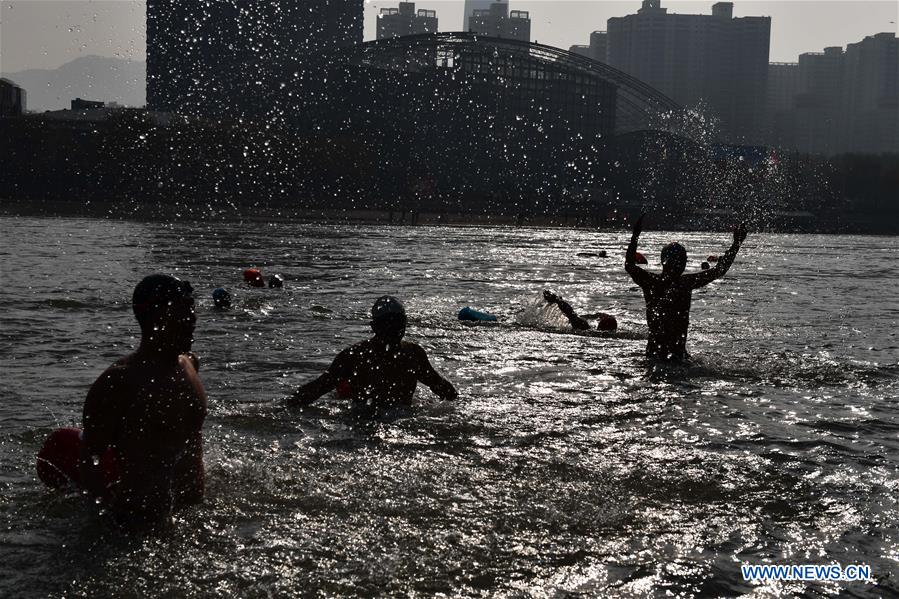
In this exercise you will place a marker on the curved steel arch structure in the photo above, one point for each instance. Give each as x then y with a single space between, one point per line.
639 106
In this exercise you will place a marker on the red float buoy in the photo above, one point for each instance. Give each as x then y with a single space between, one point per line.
641 259
58 460
712 258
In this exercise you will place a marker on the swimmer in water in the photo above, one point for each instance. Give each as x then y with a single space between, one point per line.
253 277
382 371
605 322
149 408
221 299
668 294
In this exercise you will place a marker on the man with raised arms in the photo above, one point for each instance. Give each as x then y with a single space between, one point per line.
669 293
149 408
382 371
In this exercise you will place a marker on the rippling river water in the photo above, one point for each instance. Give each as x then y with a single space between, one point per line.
568 465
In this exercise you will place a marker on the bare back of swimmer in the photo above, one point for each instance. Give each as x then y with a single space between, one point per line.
382 371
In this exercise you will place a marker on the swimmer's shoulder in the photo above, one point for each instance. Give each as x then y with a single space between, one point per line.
120 370
413 351
114 383
356 350
350 356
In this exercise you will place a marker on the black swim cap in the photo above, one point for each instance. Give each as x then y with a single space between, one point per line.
387 305
674 253
157 291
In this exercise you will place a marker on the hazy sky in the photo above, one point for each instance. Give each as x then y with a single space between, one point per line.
48 33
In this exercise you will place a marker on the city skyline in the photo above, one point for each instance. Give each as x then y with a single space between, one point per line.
46 34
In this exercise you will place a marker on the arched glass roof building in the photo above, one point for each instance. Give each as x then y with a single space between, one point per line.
468 114
567 84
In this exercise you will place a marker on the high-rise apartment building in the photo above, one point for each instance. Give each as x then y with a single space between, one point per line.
599 44
397 22
499 21
817 101
716 60
196 50
580 50
870 100
597 49
471 6
783 85
838 101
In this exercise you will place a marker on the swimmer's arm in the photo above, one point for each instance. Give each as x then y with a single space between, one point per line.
312 390
640 276
100 422
576 321
429 377
701 279
193 360
325 383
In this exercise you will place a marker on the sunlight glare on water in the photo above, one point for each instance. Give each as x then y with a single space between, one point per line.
569 464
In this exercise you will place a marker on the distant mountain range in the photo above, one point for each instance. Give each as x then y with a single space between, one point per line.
86 77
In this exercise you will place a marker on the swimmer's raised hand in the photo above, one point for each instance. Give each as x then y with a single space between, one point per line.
550 297
638 224
740 233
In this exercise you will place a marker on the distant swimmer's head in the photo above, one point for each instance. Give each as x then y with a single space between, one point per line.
276 282
674 259
388 319
253 277
164 308
607 322
221 298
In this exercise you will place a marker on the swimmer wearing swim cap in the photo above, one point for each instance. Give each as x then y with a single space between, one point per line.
605 322
221 299
149 408
253 277
382 371
668 295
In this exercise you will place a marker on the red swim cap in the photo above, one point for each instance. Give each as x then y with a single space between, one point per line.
253 277
641 259
607 322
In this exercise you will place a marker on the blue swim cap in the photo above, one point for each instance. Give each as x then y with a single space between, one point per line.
221 298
